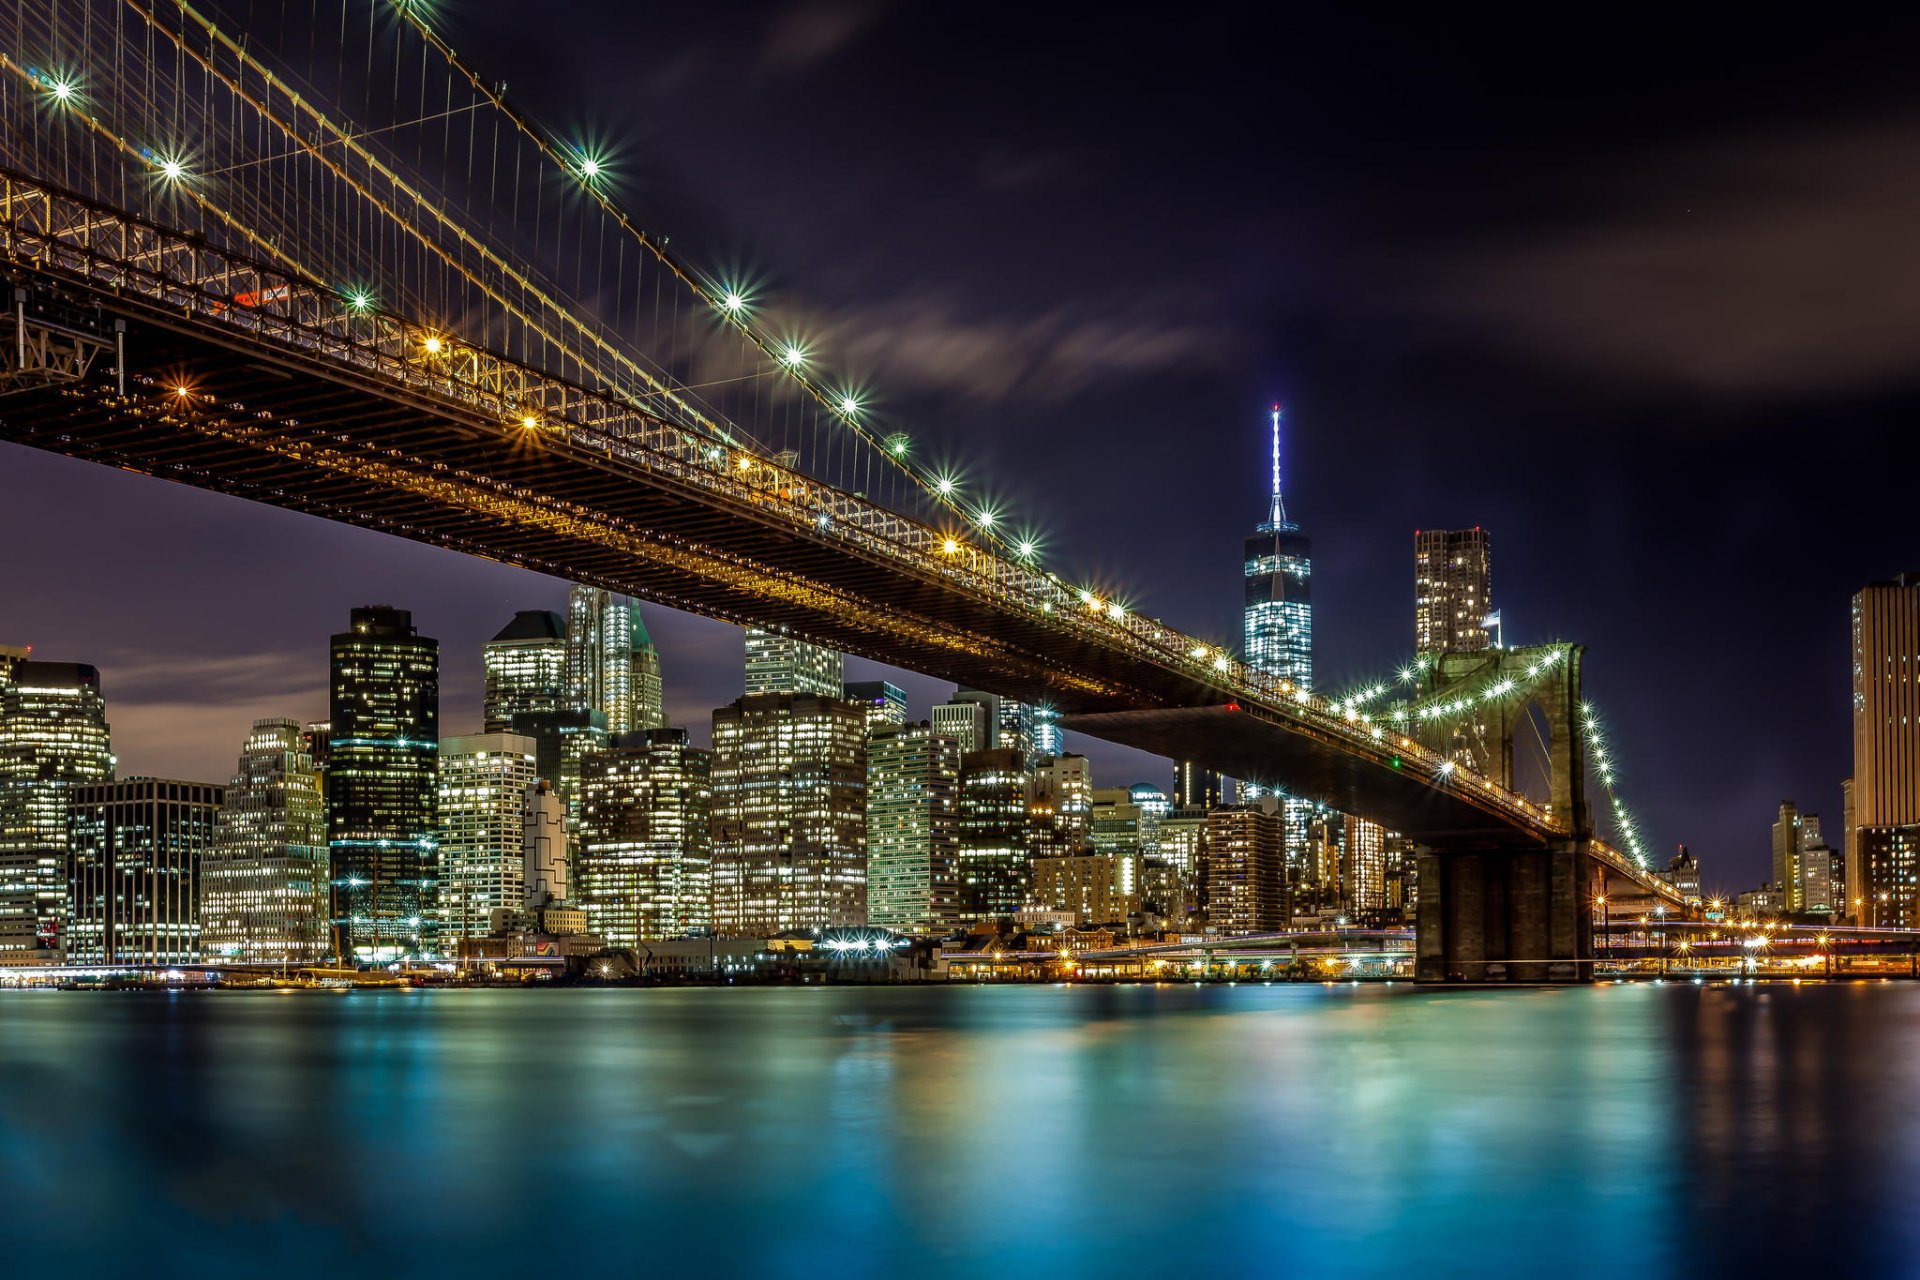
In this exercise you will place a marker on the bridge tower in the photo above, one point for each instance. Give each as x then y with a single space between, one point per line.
1506 906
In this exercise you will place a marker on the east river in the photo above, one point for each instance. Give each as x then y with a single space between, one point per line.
1042 1132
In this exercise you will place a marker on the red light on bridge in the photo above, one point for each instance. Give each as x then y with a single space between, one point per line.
1233 706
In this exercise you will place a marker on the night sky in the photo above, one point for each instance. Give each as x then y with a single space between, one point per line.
1637 292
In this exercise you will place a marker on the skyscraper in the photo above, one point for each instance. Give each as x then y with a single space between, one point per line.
133 869
913 781
1246 885
789 813
1363 871
886 702
1195 787
970 718
485 781
784 664
526 668
1061 809
1882 879
648 684
1048 738
382 827
1279 607
1452 590
53 737
995 853
645 845
600 655
263 884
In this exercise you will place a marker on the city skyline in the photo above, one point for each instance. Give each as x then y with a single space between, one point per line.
1370 459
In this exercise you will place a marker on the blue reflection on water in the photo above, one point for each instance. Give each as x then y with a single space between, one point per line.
1178 1130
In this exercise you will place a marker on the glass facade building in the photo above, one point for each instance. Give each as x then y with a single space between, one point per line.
526 668
789 813
382 784
600 655
485 782
784 664
264 894
134 855
995 852
913 781
1279 590
645 846
886 702
53 737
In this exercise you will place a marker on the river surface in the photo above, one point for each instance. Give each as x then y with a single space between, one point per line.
1043 1132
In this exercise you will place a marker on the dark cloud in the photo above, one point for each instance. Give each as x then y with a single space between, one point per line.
808 34
1761 265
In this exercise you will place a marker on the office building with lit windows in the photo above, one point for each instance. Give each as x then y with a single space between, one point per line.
970 718
784 664
885 702
1098 888
1885 791
383 783
648 684
526 668
1279 589
644 849
995 853
485 782
134 853
789 813
913 831
1452 590
1195 787
53 737
1060 811
1048 737
264 892
600 655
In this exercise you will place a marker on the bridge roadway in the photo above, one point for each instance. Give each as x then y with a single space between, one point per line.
292 399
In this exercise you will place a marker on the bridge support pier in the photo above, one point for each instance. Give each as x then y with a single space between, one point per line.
1501 915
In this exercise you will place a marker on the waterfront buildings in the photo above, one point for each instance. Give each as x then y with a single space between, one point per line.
134 856
486 780
913 831
1884 828
526 668
783 664
53 737
1364 863
1098 888
1246 887
789 813
1279 581
645 848
994 852
264 891
1452 590
382 782
1683 873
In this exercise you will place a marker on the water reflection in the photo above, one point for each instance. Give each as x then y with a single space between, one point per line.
1175 1129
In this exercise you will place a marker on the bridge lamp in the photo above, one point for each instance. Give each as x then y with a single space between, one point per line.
985 518
1116 611
183 391
950 546
944 484
744 463
897 446
433 345
733 304
1198 651
62 88
793 357
1220 662
359 300
1026 549
849 406
172 168
529 422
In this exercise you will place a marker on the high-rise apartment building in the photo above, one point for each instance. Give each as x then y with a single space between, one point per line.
994 852
53 737
789 813
264 891
1183 851
885 702
1246 886
134 854
1364 862
1279 589
526 668
784 664
1098 888
645 845
486 780
913 831
382 784
1882 880
1195 787
1452 590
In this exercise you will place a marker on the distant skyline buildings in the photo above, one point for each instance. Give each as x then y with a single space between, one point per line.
1452 590
264 882
134 861
54 737
644 849
382 813
913 831
779 663
1883 826
485 783
525 668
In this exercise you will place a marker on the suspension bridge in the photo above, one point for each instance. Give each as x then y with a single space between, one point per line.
328 266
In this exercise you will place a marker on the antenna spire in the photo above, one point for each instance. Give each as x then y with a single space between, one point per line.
1277 510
